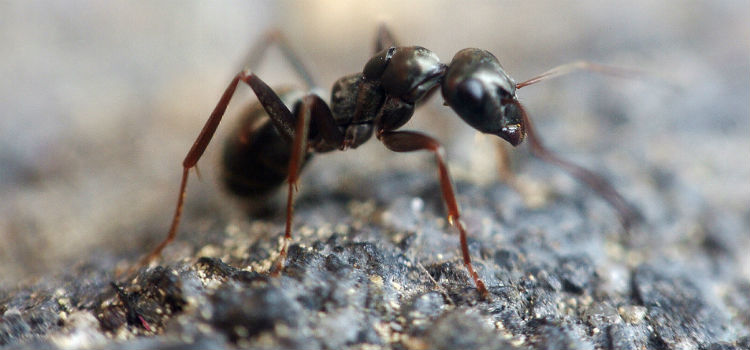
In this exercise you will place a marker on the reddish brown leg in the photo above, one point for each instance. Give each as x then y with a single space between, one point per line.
277 111
199 146
533 193
384 38
628 214
276 37
503 164
507 175
299 148
408 141
313 110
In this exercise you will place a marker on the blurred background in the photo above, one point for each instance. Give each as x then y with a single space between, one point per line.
100 101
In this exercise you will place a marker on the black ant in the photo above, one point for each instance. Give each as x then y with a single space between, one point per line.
274 142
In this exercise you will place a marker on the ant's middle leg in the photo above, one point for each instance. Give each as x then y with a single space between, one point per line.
384 38
409 141
313 111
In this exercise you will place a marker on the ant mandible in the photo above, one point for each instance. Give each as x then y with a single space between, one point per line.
274 142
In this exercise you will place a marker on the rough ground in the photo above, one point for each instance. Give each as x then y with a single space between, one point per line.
374 263
387 275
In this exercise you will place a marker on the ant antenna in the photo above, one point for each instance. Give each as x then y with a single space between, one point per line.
584 65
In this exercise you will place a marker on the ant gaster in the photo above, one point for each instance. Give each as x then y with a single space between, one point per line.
274 142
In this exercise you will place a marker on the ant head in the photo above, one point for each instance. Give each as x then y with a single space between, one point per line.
477 88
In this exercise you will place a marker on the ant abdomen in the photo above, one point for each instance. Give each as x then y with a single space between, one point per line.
255 158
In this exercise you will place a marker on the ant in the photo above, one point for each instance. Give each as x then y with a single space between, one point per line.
278 137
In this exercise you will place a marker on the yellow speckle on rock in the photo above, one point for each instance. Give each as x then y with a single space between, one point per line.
396 286
413 342
306 231
282 329
232 229
573 302
241 331
376 280
204 328
209 251
632 313
518 341
63 302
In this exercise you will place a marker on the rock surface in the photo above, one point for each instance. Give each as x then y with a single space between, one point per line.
559 278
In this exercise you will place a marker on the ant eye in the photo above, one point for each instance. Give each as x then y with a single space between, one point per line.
470 92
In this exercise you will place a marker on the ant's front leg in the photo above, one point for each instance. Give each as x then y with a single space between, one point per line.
533 193
628 214
409 141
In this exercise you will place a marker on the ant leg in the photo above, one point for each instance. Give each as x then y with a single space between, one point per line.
277 111
299 147
313 109
276 37
199 146
384 39
628 214
587 66
533 193
503 164
408 141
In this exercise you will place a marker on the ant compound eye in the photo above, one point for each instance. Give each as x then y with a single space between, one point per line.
470 93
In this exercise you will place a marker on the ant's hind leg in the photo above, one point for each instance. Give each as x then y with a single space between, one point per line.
276 37
279 114
191 159
409 141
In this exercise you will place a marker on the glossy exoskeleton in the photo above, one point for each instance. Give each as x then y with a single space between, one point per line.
278 136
